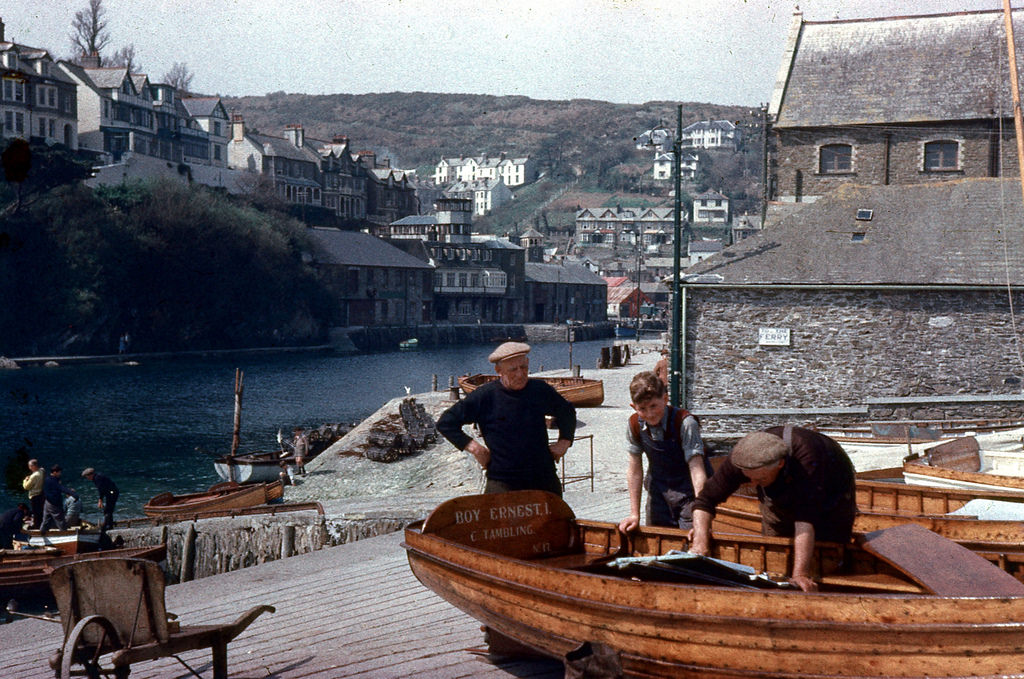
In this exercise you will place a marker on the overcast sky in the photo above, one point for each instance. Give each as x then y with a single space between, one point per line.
627 51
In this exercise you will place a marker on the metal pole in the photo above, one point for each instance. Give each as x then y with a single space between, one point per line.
764 163
677 148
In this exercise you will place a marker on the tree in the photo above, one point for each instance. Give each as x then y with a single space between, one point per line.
126 57
179 76
89 26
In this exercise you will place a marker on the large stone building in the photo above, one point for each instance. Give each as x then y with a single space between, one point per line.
887 280
900 100
885 301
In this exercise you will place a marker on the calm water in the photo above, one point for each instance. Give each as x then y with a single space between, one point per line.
147 426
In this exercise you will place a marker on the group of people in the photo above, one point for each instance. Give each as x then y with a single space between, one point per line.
804 479
52 505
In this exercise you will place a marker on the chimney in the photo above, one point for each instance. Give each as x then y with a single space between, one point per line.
90 60
339 139
294 134
237 127
1 30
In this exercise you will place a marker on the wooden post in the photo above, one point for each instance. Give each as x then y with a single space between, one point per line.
433 382
188 555
1018 126
239 375
288 542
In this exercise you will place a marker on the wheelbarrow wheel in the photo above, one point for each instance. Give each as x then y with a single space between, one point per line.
90 639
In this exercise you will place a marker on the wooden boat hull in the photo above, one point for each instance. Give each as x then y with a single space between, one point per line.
69 541
26 573
580 391
666 629
223 496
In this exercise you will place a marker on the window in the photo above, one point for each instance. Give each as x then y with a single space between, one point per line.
941 155
835 158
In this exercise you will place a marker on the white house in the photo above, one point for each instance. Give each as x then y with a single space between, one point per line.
486 194
711 134
711 207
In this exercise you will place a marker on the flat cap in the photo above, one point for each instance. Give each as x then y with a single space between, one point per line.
509 350
88 471
758 449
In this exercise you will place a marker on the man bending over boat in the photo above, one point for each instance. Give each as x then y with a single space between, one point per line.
805 483
510 412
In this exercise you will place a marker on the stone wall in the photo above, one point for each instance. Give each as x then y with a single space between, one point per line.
798 153
197 549
873 349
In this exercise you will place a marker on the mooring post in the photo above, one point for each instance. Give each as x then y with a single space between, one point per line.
288 542
453 389
188 555
433 382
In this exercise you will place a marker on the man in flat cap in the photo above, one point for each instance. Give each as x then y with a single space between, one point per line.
805 483
510 412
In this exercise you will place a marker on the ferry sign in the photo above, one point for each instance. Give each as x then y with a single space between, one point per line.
773 337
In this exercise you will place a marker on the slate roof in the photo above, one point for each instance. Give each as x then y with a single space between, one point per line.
900 69
279 146
576 274
949 233
354 248
200 107
106 78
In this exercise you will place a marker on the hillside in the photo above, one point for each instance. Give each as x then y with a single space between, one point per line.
582 146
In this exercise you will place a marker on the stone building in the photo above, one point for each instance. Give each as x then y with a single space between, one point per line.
379 283
900 100
874 301
559 291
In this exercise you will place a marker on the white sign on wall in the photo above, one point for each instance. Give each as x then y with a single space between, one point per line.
773 337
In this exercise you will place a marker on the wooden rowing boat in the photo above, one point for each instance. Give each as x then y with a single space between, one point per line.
25 573
582 392
77 540
523 565
266 466
961 463
220 497
527 568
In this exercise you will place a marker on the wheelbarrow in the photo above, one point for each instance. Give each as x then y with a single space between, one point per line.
112 612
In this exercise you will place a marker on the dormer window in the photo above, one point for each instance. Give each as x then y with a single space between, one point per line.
11 60
941 156
835 158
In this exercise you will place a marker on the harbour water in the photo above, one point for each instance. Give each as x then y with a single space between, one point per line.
157 426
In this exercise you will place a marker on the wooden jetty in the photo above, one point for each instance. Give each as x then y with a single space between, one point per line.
355 610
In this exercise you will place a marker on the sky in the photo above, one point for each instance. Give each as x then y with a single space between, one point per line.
623 51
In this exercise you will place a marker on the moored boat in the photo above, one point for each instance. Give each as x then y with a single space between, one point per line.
523 565
266 466
26 573
411 344
961 463
582 392
222 496
76 540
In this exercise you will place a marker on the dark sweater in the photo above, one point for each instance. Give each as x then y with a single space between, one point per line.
105 486
513 427
815 485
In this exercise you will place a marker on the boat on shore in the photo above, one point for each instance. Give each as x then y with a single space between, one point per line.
523 565
25 573
219 497
266 466
582 392
411 344
76 540
962 464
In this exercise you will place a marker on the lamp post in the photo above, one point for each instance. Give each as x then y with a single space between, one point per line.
675 356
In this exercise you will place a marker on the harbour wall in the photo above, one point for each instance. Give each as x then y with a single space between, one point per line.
198 549
387 338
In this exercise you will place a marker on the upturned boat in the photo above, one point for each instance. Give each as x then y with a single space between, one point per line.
961 463
903 603
582 392
219 497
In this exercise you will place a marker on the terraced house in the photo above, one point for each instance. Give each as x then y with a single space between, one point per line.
37 99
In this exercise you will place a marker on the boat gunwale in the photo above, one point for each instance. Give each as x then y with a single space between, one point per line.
851 598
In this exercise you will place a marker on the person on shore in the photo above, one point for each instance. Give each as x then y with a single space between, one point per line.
661 370
33 485
300 444
677 468
53 505
510 413
805 482
108 495
12 525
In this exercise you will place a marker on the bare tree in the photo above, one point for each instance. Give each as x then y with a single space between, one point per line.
179 76
126 57
89 26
